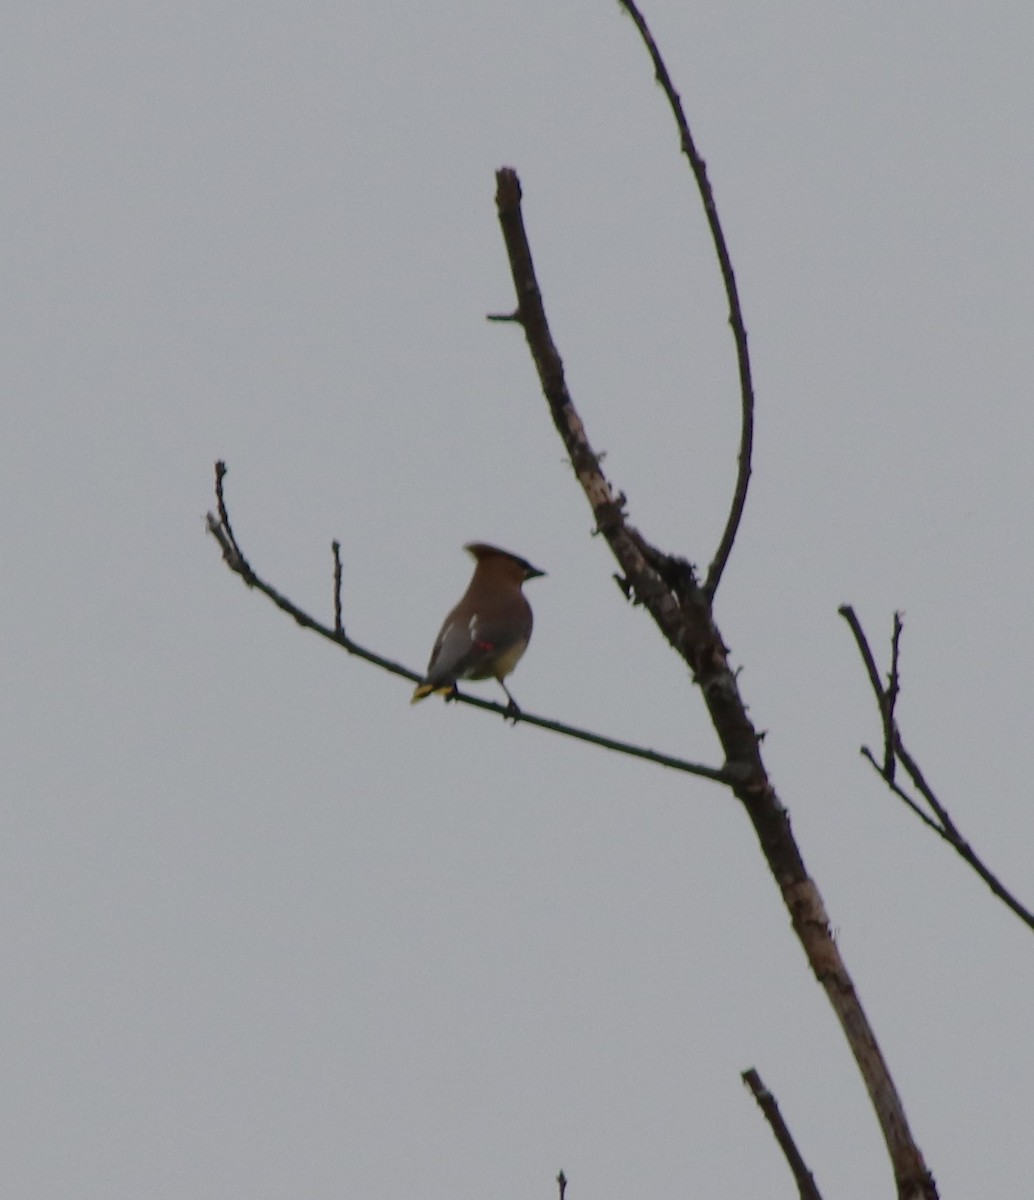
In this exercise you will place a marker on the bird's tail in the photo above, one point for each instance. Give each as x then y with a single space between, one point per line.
423 690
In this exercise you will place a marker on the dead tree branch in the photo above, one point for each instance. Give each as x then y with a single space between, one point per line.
806 1186
894 752
667 587
220 528
739 329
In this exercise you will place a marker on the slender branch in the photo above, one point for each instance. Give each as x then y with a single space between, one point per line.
231 551
954 838
339 627
804 1179
950 834
739 329
219 527
864 649
885 700
941 822
890 699
667 588
561 1183
900 792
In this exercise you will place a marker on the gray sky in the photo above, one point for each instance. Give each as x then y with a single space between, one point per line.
270 932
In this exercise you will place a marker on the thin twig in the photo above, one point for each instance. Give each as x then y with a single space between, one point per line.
950 834
941 822
914 773
864 649
219 528
804 1179
339 627
953 836
890 699
561 1182
223 530
902 795
739 329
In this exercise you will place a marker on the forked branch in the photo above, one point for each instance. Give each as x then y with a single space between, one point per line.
934 816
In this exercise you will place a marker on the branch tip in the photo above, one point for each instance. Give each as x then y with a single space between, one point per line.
339 627
804 1179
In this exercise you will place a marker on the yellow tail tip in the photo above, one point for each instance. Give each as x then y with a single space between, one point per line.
426 689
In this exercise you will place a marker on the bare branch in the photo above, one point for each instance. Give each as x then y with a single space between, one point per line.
561 1182
864 649
890 699
339 627
667 587
804 1179
739 329
900 792
894 746
219 528
885 700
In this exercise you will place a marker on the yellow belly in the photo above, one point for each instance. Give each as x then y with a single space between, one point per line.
502 665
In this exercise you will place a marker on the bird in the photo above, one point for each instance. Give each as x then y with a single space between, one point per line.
489 629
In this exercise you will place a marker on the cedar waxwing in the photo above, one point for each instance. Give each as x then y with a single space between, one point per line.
489 630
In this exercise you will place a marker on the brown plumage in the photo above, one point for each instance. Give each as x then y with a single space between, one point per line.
489 629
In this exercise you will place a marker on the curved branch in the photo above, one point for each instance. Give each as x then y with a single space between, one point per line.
667 587
220 528
739 329
896 752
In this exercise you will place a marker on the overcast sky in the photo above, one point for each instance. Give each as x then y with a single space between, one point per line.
269 932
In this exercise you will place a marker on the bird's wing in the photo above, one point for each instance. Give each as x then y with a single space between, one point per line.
462 645
451 647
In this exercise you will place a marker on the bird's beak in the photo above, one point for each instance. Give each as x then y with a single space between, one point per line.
531 572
